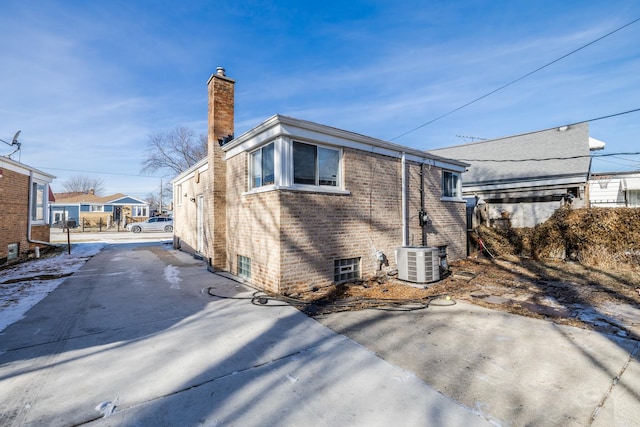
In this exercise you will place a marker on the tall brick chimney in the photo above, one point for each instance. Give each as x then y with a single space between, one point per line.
221 110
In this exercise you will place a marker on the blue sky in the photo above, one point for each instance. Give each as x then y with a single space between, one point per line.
87 82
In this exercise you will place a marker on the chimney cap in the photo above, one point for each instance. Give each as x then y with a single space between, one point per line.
220 71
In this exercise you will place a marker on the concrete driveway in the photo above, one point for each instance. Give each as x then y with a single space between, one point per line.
133 338
515 371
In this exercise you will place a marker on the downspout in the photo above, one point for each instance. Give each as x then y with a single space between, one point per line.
30 209
405 202
423 213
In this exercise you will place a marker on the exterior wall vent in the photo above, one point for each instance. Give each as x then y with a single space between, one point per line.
12 251
418 264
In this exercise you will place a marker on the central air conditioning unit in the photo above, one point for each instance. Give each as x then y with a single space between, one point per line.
418 264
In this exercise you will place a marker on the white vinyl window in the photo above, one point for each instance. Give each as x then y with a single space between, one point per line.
451 185
96 208
262 166
633 198
37 201
299 166
139 211
315 165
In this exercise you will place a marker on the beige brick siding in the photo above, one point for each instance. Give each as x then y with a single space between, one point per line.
221 121
293 238
447 219
94 219
185 199
253 227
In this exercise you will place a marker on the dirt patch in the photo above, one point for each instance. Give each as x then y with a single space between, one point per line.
580 268
563 292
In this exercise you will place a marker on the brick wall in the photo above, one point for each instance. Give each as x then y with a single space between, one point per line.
221 117
447 223
293 238
14 212
14 193
41 233
253 227
185 214
92 219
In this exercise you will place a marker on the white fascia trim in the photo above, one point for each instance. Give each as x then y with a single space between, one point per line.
12 165
324 135
518 185
63 205
201 167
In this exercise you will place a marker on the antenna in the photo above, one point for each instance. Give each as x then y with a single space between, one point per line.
471 138
15 142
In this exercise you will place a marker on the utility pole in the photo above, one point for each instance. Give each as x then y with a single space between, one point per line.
160 208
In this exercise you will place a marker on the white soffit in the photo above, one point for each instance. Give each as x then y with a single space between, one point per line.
632 183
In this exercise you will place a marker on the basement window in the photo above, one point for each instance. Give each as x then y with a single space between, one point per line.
244 266
346 269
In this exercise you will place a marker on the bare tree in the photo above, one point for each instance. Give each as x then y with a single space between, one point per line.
174 151
84 184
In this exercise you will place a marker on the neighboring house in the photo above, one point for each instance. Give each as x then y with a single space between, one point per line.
24 194
293 205
523 179
614 189
92 210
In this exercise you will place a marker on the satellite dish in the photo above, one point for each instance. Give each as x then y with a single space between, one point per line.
15 138
15 142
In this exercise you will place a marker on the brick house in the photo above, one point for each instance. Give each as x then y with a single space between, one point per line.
291 205
24 194
92 210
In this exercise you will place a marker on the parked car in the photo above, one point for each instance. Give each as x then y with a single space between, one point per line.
157 223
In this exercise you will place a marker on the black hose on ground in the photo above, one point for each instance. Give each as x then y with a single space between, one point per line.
325 306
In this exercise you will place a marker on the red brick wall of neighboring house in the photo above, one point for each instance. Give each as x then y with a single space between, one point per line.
221 117
14 194
41 233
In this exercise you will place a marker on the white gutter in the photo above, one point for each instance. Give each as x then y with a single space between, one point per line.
405 202
31 210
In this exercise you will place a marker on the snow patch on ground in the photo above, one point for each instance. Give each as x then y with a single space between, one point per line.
171 274
23 285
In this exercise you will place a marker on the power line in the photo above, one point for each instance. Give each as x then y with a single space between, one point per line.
101 173
606 117
517 80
